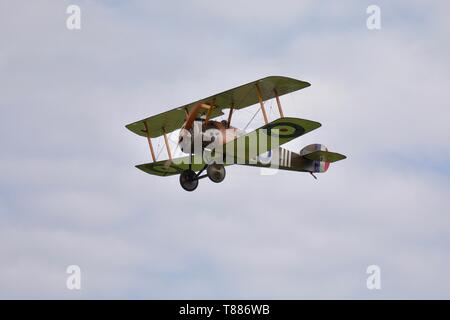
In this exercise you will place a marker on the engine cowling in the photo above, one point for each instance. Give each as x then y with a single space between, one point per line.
317 166
208 135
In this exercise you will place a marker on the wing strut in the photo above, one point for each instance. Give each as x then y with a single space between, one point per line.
210 109
229 115
149 139
167 144
266 120
278 103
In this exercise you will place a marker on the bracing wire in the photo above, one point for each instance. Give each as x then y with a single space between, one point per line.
174 141
245 128
271 112
160 148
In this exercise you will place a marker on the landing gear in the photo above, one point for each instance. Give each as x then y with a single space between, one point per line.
189 180
216 172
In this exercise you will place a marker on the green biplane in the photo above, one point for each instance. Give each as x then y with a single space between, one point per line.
211 145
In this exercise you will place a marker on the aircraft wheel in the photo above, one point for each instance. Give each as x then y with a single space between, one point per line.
188 180
216 172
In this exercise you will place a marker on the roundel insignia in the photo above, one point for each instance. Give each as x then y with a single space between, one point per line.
164 169
285 129
266 157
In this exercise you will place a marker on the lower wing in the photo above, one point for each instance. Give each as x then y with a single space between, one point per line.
171 167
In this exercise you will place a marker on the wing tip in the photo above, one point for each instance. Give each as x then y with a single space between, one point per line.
340 156
285 78
140 167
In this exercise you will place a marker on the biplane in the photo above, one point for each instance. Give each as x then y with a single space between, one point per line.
210 145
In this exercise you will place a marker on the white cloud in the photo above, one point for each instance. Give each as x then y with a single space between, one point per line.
70 193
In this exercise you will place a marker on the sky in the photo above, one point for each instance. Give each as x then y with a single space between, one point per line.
70 194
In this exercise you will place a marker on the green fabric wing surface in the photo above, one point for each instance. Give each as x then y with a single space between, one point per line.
239 97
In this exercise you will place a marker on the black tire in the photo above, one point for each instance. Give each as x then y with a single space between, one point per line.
216 172
188 180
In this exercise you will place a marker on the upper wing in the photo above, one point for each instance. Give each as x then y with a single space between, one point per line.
244 148
240 97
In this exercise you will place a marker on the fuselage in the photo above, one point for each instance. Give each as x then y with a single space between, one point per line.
207 134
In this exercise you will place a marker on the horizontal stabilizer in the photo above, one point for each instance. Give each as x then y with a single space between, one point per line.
325 156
